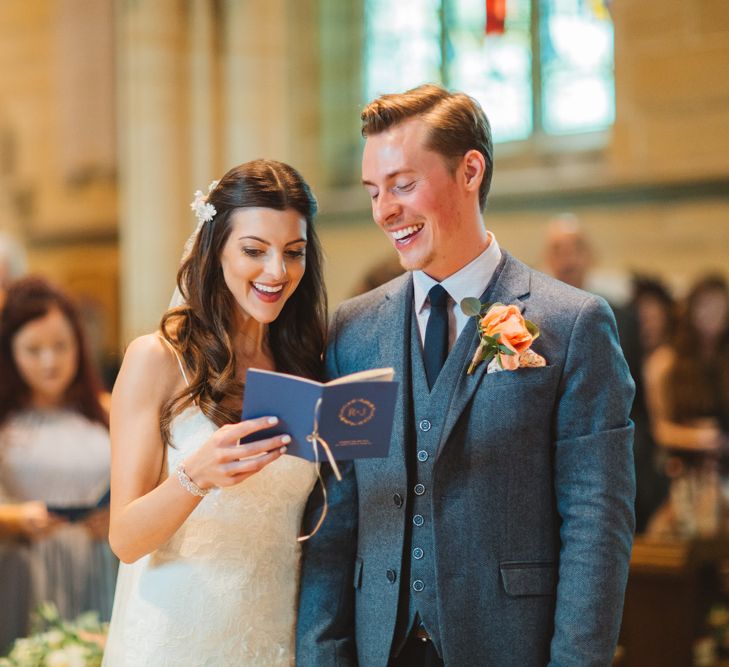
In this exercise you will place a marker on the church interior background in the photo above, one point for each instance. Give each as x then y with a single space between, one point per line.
113 112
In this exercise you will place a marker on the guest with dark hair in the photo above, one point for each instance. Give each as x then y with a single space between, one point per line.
687 386
645 323
216 574
655 311
54 458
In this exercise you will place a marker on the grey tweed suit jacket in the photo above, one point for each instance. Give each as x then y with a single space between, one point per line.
532 499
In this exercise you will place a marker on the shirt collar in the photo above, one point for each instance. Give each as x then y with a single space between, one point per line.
471 280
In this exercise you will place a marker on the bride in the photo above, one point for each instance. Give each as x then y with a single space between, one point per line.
207 528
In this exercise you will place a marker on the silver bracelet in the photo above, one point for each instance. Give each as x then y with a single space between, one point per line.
188 484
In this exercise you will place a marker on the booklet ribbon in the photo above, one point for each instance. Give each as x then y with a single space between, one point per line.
315 439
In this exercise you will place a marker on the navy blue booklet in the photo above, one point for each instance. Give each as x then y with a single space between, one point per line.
352 414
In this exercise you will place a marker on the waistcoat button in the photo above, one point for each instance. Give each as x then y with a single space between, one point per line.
418 520
418 585
418 553
419 489
424 425
422 455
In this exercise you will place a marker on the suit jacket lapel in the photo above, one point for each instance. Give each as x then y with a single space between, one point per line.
509 284
393 349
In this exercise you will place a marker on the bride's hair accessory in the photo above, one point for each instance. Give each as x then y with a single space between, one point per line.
203 209
188 484
204 212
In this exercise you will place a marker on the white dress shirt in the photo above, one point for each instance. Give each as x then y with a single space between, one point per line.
471 280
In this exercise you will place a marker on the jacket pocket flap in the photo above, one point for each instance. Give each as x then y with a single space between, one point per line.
357 580
522 579
537 375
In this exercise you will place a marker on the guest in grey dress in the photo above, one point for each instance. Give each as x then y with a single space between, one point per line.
54 463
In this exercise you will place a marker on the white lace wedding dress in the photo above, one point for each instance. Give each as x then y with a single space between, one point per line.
223 590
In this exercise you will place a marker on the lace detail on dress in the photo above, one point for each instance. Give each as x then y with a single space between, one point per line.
222 591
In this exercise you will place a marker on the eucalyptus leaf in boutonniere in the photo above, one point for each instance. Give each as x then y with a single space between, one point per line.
505 337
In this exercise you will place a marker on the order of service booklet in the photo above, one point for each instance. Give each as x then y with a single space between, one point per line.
355 412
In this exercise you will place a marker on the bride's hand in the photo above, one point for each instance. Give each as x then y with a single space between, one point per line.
222 462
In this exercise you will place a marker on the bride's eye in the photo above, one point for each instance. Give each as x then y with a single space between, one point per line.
295 254
252 252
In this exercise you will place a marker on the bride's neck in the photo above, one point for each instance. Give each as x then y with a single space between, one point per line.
250 341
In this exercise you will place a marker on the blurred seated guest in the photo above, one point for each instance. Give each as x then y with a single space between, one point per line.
655 312
645 324
54 460
379 274
687 390
567 253
12 262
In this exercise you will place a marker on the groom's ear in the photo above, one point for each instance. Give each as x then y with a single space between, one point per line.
474 169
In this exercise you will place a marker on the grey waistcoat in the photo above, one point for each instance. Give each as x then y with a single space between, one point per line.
428 411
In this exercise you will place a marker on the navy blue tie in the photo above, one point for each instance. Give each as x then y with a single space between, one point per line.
435 349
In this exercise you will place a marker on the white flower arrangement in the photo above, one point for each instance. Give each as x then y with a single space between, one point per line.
203 209
59 643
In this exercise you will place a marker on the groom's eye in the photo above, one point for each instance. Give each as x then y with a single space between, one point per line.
407 187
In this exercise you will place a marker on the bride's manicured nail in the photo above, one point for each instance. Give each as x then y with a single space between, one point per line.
283 450
273 420
286 439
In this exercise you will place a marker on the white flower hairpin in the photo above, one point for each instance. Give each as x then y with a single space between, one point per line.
203 209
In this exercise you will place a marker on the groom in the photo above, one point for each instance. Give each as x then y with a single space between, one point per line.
498 531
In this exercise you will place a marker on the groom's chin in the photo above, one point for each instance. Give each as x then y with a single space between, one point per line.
413 262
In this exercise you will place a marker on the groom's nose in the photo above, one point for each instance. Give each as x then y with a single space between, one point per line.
385 208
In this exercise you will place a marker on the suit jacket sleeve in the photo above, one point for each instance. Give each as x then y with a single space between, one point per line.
325 625
595 490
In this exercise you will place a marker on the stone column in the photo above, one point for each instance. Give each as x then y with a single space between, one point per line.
204 96
256 98
270 82
154 178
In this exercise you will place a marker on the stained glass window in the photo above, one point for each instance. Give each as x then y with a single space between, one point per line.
550 71
576 57
402 46
496 69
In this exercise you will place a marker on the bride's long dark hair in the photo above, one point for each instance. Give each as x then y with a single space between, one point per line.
202 329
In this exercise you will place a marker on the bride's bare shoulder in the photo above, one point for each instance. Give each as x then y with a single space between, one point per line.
149 349
151 360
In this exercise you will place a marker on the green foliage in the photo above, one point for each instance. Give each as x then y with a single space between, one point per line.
471 306
59 643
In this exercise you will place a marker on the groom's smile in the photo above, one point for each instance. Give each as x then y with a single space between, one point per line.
405 235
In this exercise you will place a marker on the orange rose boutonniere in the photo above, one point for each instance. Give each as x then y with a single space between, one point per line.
505 337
